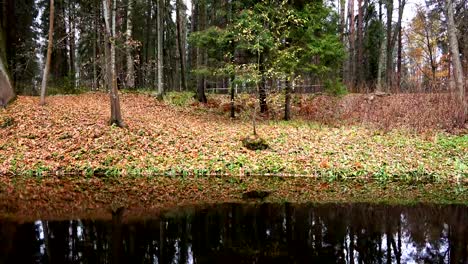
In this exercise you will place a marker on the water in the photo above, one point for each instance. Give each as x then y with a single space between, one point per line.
259 233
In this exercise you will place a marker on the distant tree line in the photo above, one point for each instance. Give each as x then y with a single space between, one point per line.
168 45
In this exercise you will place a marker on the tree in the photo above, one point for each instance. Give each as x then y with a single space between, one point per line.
351 51
389 46
180 19
49 53
359 70
6 87
457 67
423 37
392 37
109 9
199 24
20 35
160 28
130 78
305 42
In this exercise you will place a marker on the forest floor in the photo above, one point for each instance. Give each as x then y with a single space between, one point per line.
65 157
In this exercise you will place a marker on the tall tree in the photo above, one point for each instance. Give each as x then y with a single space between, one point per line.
71 38
359 70
180 21
6 87
382 49
199 25
454 50
389 54
130 78
160 28
110 9
351 65
49 53
392 36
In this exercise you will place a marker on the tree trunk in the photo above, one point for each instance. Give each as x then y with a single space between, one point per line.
59 67
342 19
351 66
359 69
233 109
392 38
71 38
382 49
6 86
116 115
144 76
201 96
399 58
49 53
287 101
262 96
457 67
200 17
181 42
389 57
130 78
160 47
95 43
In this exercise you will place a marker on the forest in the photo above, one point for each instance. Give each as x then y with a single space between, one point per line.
259 47
122 102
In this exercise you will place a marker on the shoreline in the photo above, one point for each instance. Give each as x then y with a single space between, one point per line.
52 198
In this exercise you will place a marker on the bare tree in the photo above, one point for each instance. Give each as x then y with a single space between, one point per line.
49 53
109 19
457 67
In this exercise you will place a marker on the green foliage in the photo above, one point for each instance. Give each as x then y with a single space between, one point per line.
271 39
6 122
254 143
179 98
372 41
64 85
453 142
335 87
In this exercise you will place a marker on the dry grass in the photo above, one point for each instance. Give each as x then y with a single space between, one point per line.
418 112
415 111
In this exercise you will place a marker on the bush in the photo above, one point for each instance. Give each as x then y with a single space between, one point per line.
180 98
254 143
335 87
64 85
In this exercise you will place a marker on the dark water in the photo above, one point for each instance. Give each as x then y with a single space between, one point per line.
262 233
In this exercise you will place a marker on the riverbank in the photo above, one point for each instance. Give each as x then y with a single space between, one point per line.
70 135
79 197
66 152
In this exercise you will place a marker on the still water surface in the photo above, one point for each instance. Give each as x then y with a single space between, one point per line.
254 233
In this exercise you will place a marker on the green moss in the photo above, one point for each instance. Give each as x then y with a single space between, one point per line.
254 143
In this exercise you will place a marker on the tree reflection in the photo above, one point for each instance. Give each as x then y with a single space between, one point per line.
260 233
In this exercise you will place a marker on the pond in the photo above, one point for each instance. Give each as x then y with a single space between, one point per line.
248 233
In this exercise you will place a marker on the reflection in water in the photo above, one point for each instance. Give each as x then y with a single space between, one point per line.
262 233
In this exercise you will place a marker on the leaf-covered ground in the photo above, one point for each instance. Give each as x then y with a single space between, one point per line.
71 136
